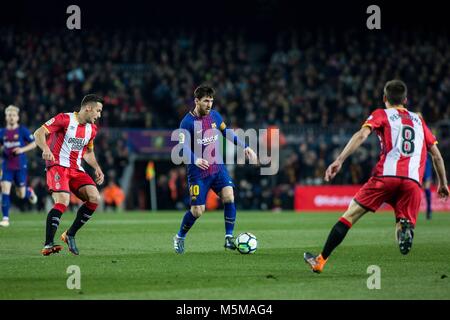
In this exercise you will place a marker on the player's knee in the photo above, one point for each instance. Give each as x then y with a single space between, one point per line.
63 201
94 197
21 193
62 198
197 211
228 198
6 189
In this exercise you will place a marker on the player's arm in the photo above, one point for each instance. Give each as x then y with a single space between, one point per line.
40 138
89 157
29 139
184 138
27 148
230 135
439 167
355 142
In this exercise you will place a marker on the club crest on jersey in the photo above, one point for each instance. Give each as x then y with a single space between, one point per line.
57 177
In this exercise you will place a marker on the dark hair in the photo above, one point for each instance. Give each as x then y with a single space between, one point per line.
395 92
91 98
204 91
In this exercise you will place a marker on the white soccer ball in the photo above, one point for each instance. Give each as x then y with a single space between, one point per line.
246 243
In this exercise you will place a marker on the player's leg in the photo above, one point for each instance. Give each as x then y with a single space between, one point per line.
6 200
427 189
369 198
24 192
227 196
406 208
198 190
58 185
223 186
336 236
188 221
61 200
91 197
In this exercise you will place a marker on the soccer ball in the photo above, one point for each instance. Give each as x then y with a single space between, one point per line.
246 243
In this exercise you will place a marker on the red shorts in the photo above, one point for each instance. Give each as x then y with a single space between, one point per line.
404 195
62 179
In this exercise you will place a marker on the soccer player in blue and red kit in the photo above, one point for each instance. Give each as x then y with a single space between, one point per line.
200 139
16 140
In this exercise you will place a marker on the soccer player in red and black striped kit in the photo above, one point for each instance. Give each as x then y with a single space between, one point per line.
405 140
65 140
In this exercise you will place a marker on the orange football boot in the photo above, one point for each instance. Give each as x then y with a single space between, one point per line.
315 262
50 249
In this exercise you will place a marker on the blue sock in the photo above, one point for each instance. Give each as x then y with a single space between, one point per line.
230 217
186 224
428 196
6 203
27 193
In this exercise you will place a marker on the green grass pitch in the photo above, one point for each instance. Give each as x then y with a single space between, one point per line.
130 256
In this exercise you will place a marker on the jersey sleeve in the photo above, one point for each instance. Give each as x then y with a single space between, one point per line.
57 123
27 135
429 137
90 144
229 133
220 122
375 120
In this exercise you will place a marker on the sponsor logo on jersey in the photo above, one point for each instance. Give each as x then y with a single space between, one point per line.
76 143
208 140
11 144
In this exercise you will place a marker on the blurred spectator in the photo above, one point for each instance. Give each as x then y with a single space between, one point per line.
113 196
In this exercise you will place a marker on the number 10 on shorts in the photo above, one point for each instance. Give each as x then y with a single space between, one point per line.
194 190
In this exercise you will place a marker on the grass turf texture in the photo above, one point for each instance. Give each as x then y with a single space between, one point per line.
130 256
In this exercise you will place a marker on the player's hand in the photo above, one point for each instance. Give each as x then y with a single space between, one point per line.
251 155
17 151
202 163
332 170
99 176
48 155
443 192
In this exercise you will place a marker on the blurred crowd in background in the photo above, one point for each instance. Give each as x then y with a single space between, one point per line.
317 87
